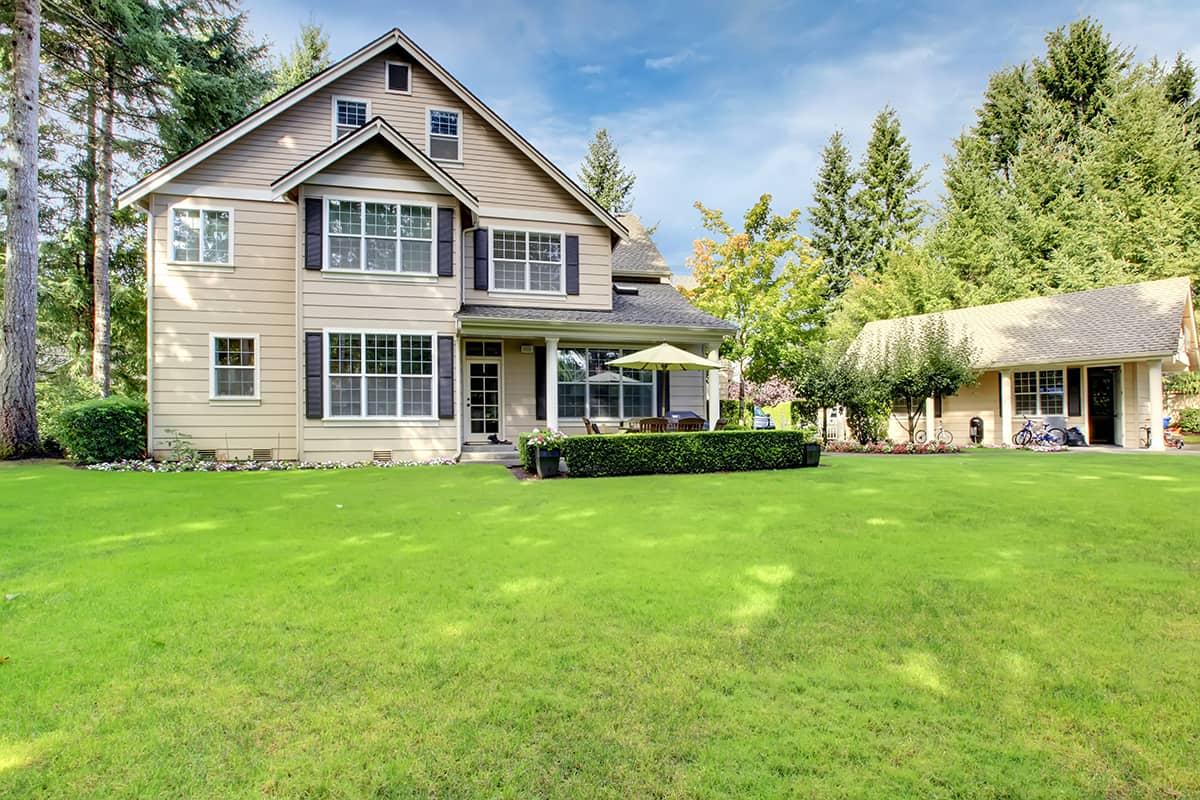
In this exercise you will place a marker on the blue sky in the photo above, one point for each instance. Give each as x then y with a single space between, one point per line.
721 102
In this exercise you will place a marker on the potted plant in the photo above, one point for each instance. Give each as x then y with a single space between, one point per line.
548 443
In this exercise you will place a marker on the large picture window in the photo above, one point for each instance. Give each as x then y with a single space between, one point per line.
525 261
366 236
234 361
588 387
1038 393
201 236
385 375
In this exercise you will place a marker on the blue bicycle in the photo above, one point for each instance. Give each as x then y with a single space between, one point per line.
1031 434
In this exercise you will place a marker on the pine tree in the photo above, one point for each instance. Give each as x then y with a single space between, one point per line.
1004 115
1080 68
887 210
310 55
604 177
831 215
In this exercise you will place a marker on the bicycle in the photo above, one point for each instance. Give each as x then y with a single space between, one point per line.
1170 438
1030 435
941 435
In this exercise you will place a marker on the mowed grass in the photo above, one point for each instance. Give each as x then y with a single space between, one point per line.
990 625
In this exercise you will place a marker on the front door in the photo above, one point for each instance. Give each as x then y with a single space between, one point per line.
483 390
1102 405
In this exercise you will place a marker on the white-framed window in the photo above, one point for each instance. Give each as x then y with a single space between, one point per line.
349 114
443 128
1039 393
377 236
201 236
588 387
397 77
233 366
526 261
383 375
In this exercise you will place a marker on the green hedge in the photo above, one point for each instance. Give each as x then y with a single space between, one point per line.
665 453
528 454
96 431
1189 420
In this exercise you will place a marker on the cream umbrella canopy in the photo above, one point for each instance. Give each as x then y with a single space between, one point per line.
664 358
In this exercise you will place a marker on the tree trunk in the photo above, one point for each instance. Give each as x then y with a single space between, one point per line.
102 336
18 326
86 310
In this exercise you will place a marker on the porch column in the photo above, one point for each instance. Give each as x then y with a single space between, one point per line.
1156 406
714 388
929 411
552 382
1006 407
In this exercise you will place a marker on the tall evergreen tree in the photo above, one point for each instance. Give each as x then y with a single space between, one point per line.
1004 115
831 216
887 210
309 55
604 177
1080 68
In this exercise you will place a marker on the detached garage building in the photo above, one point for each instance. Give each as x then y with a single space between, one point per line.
1096 358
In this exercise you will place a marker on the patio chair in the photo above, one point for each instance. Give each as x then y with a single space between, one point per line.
721 423
689 424
653 425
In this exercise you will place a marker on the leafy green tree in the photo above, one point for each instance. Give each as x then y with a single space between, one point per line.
831 216
1004 115
913 282
604 177
764 278
1080 69
888 211
309 55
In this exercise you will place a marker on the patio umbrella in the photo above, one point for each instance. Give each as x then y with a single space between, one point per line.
664 358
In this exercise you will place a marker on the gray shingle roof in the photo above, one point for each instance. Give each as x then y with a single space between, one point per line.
1115 322
655 304
639 255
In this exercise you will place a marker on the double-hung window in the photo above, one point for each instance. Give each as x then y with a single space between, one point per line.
349 114
445 135
1038 392
525 261
201 236
234 367
379 237
386 375
588 387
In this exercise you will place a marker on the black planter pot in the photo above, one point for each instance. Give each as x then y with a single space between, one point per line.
547 463
812 454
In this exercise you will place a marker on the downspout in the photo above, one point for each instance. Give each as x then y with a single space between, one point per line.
149 328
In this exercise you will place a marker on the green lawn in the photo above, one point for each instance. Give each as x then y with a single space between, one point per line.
992 625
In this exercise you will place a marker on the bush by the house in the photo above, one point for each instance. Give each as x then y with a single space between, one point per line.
1189 420
528 443
1185 383
665 453
110 429
54 395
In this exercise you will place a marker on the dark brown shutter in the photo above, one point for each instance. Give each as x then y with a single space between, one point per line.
572 264
446 377
314 380
539 382
1074 393
937 406
445 253
481 259
314 212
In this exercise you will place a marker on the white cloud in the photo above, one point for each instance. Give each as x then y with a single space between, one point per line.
592 69
672 61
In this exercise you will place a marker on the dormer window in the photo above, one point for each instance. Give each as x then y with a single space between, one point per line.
445 135
349 114
398 77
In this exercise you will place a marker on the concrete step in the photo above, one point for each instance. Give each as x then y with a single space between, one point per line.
505 455
489 448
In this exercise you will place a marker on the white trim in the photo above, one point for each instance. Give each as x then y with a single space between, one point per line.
365 53
212 368
218 192
333 104
399 240
1038 394
389 277
380 422
496 214
377 183
326 417
150 289
388 89
446 162
562 263
185 205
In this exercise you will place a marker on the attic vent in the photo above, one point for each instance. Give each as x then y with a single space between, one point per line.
206 455
261 454
625 288
382 455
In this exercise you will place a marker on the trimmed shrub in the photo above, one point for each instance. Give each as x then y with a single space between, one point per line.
53 396
527 452
667 453
97 431
1189 420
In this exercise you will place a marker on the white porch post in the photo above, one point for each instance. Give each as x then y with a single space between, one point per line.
1006 407
929 410
1156 406
714 388
552 382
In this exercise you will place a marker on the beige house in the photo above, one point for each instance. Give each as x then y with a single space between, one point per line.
376 264
1094 360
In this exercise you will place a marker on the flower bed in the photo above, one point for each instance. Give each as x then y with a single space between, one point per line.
892 448
191 465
